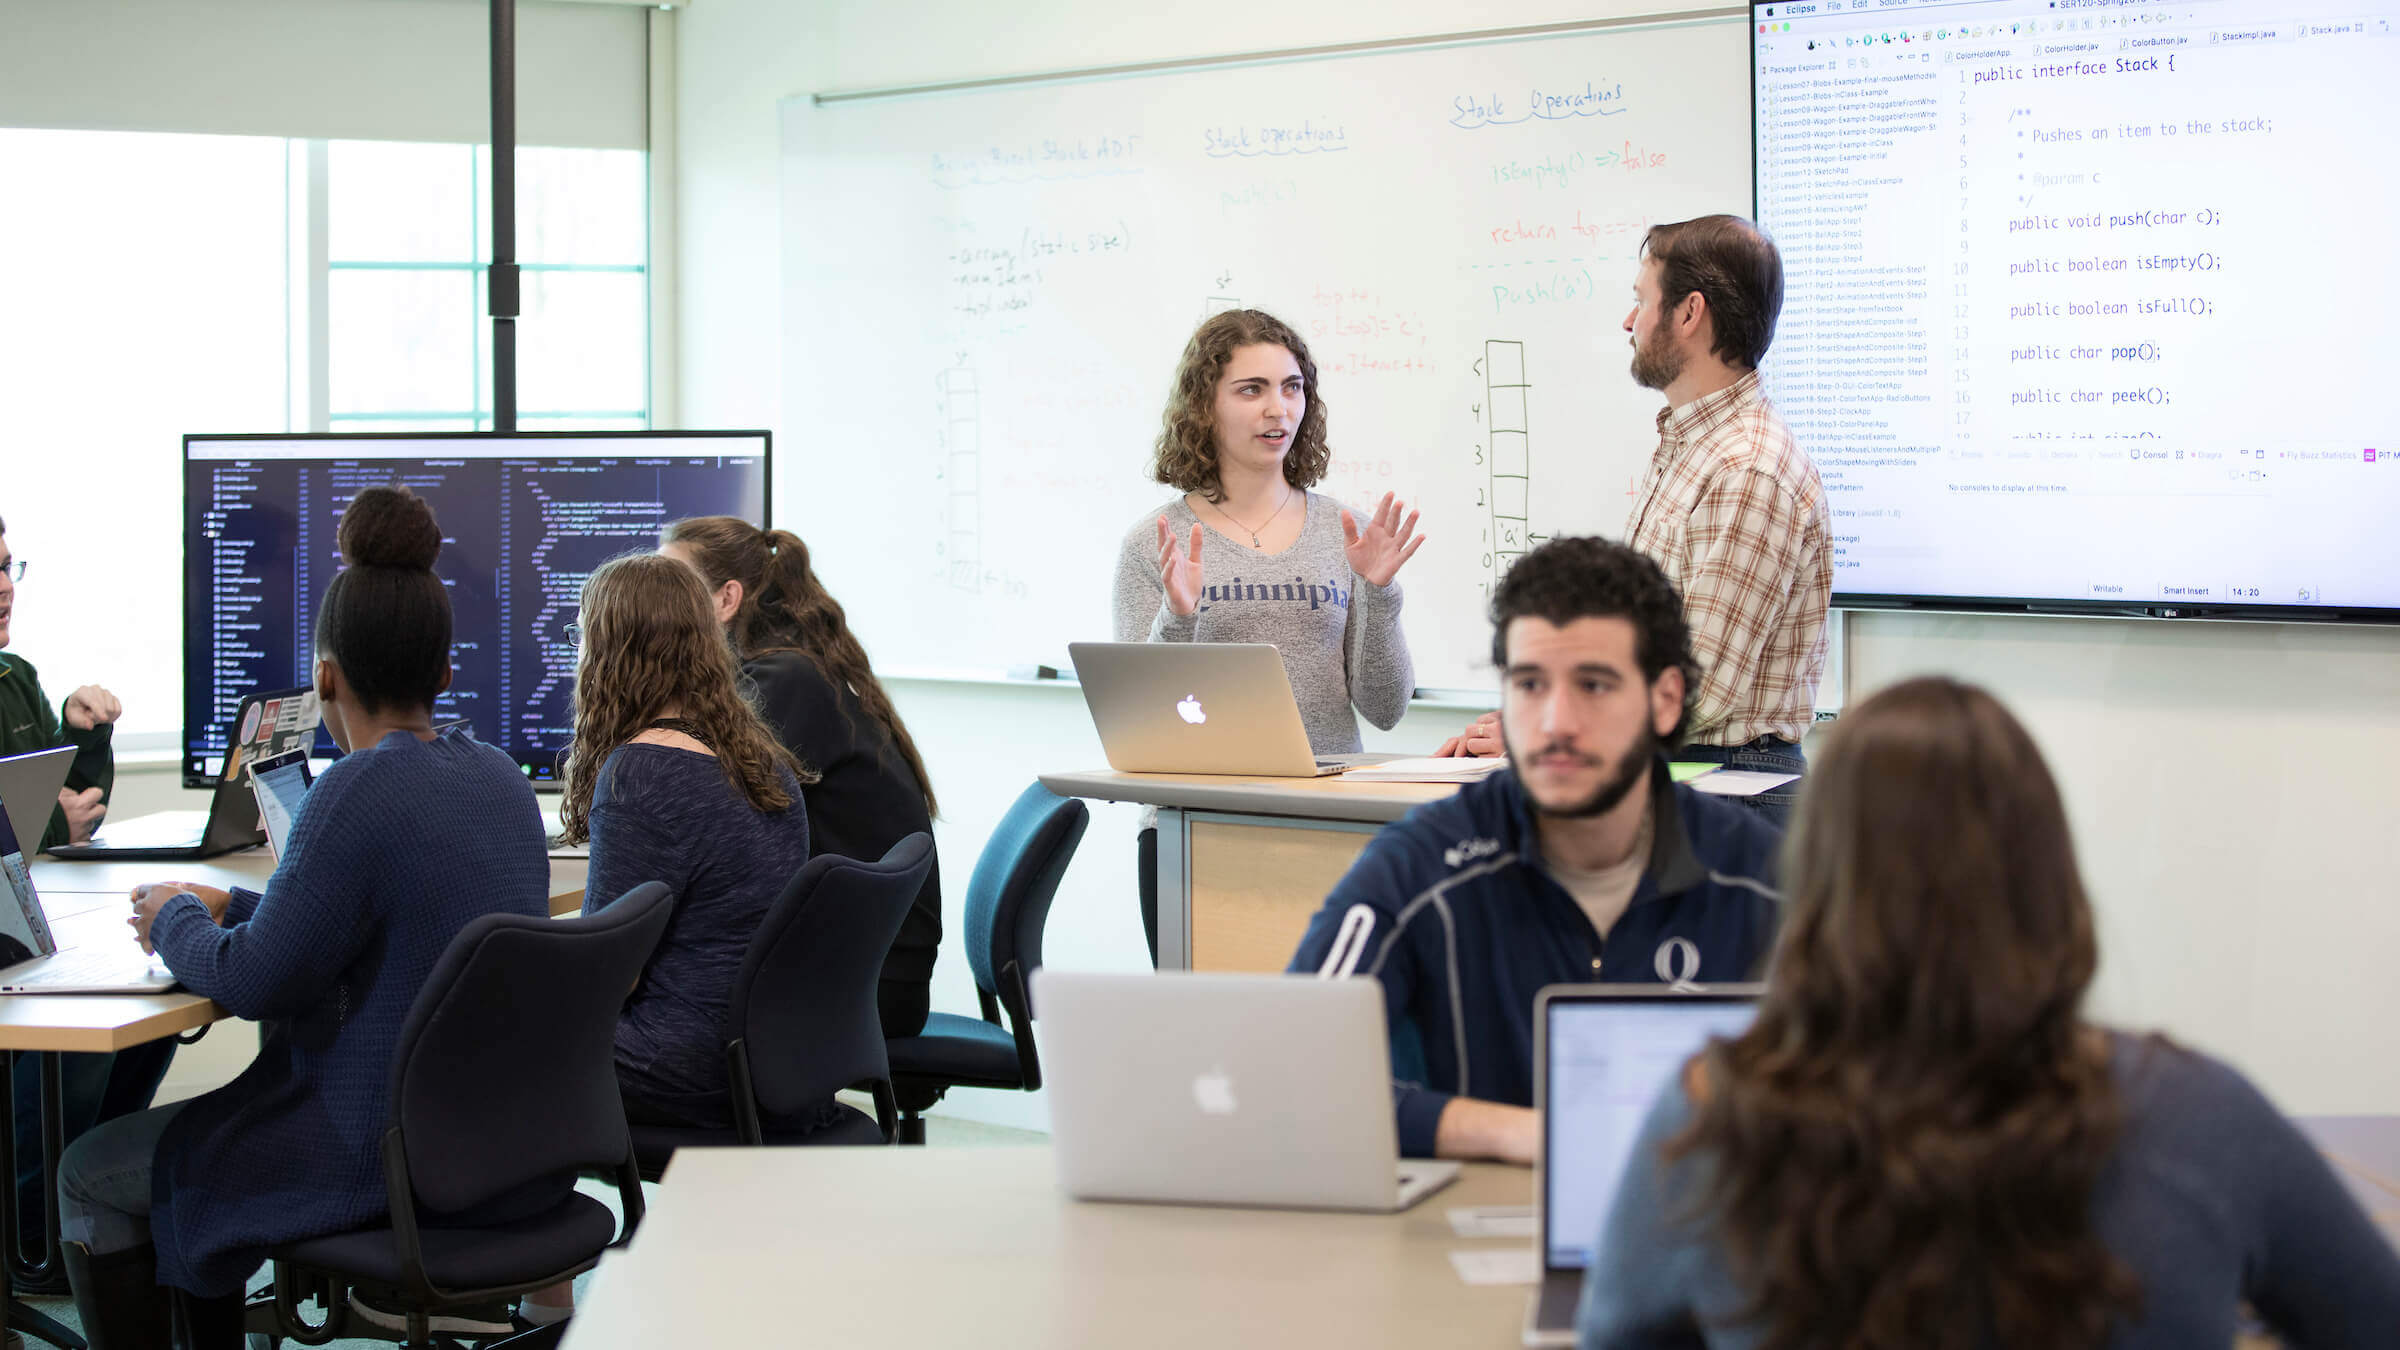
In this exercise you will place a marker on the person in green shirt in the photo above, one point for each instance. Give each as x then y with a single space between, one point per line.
85 721
92 1087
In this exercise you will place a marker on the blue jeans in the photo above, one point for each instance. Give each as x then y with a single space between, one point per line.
1767 754
104 1182
91 1088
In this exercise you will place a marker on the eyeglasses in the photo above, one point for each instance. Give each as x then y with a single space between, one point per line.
575 636
14 571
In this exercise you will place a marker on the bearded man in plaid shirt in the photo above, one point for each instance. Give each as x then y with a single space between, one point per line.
1730 507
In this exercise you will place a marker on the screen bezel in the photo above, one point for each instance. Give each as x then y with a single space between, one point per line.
1615 995
2034 605
270 764
193 777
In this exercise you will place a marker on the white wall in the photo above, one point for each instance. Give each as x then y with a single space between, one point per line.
408 70
2226 781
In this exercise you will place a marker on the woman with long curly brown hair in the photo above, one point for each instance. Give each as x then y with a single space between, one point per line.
809 677
1921 1143
674 777
1249 554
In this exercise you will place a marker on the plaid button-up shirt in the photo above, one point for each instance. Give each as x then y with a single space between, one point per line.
1734 512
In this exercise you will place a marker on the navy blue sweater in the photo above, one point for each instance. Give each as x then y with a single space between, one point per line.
2211 1196
1452 907
399 846
660 813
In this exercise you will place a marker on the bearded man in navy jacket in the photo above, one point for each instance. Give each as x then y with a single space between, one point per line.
1583 862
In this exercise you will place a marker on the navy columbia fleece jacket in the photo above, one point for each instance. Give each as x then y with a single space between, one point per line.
1453 908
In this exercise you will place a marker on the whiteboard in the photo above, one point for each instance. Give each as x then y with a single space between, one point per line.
986 293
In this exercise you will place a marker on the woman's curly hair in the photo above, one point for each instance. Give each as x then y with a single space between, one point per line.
651 642
1186 458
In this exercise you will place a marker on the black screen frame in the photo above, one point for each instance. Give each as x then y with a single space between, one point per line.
192 778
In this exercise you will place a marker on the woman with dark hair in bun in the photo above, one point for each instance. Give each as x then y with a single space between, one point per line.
811 681
406 839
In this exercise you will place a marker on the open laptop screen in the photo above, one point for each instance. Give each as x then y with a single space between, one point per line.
280 783
1607 1058
24 932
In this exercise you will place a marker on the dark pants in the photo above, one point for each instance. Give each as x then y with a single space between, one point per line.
902 1006
1767 754
1145 867
92 1088
104 1182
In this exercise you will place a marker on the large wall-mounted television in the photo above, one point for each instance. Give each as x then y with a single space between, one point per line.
2087 307
525 518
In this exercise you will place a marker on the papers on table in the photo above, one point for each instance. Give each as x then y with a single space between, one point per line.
1709 778
1497 1265
1494 1221
1741 782
1454 769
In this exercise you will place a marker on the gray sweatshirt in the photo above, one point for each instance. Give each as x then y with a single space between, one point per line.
1338 634
2212 1197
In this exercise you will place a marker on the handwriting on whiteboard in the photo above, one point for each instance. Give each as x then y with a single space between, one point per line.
1105 156
1470 112
1308 138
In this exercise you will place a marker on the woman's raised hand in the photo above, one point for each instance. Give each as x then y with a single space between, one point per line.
1179 570
1377 551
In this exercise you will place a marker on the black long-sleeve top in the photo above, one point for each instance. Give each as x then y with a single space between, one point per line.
866 799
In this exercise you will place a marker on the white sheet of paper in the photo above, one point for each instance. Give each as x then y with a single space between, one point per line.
1740 782
1497 1265
1494 1221
1425 769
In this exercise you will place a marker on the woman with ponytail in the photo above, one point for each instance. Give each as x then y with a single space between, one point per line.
403 842
1922 1144
811 681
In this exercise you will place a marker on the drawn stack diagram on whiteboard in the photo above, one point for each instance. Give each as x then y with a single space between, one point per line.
962 473
1509 494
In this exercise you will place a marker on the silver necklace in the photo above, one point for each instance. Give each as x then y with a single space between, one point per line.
1253 532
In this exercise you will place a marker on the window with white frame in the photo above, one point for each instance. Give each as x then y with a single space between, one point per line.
169 283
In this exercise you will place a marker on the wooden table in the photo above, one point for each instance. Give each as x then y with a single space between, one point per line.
978 1246
71 884
1244 862
942 1246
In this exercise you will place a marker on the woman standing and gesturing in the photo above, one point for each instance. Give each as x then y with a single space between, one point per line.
1249 554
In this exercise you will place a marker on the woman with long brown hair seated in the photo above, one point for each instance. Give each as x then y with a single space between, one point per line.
1922 1143
675 778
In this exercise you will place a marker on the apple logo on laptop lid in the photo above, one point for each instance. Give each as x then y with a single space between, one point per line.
1190 711
1213 1091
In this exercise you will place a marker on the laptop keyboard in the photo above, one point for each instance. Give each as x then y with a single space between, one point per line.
163 829
85 967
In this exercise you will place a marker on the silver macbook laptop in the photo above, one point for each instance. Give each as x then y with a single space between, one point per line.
1198 707
268 723
1211 1089
1604 1052
30 959
29 785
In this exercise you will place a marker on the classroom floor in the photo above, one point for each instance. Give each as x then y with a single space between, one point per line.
940 1132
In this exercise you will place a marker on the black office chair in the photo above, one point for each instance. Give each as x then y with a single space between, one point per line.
803 1024
504 1089
1008 901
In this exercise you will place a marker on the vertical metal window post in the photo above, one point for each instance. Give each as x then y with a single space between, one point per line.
501 284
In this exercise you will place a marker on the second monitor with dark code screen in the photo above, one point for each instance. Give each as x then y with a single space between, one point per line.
525 519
